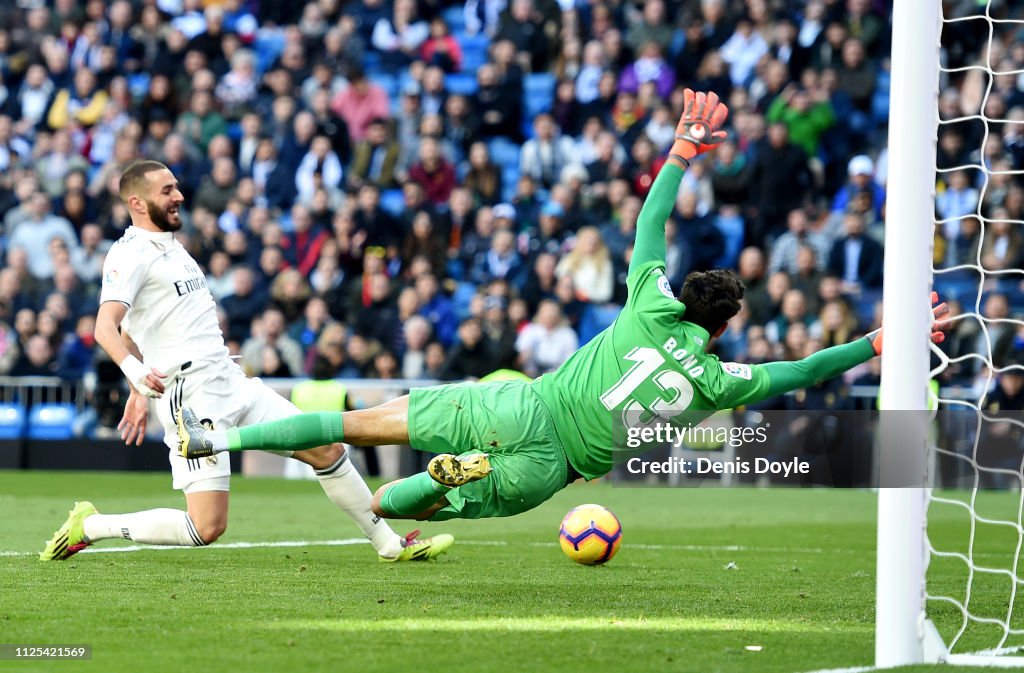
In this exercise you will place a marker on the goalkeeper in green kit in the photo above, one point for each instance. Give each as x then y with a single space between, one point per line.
509 446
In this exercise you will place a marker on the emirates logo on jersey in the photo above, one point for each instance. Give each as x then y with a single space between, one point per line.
183 287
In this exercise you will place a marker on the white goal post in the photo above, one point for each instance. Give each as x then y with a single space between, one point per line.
903 633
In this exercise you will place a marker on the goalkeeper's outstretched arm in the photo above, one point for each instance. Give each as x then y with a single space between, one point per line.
650 225
830 362
698 131
817 367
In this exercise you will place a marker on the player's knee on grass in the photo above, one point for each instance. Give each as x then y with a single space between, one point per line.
209 513
321 457
210 527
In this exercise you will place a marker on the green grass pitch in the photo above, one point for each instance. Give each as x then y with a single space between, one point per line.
702 575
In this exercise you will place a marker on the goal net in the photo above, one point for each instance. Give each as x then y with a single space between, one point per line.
950 580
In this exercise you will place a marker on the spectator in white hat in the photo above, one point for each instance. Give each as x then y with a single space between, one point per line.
861 172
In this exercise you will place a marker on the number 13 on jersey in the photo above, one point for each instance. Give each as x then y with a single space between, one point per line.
675 396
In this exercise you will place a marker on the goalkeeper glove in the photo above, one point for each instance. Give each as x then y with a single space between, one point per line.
937 335
700 127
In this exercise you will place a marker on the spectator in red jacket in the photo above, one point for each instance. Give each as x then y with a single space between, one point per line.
433 172
441 49
306 240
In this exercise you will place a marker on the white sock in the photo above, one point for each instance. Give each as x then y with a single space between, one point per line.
346 489
162 526
219 439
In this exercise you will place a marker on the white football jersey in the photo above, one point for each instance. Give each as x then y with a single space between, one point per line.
171 313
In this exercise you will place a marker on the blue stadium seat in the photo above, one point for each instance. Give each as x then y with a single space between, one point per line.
596 318
509 182
474 50
504 153
386 81
455 17
371 62
268 46
539 82
462 297
463 84
12 421
51 421
392 201
538 93
138 84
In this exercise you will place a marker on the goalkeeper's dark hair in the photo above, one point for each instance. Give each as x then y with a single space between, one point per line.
712 298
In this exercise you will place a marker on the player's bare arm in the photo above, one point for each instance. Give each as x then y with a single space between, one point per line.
146 380
136 409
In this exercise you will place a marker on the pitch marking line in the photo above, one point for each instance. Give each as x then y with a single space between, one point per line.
477 543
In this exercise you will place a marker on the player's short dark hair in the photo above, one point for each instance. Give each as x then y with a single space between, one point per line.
135 174
712 298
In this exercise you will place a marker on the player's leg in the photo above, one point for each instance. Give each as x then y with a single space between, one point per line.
417 497
422 495
208 511
204 481
519 482
524 466
84 526
384 424
341 482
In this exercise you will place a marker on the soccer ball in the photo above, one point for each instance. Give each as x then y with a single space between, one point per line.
590 534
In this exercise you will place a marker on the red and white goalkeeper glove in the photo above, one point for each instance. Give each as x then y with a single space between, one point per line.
700 127
937 335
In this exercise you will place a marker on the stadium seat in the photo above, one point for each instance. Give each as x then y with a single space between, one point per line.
51 421
880 99
509 182
12 421
371 62
538 93
504 153
461 84
386 81
268 45
405 79
455 17
392 201
138 84
462 297
474 50
539 83
594 319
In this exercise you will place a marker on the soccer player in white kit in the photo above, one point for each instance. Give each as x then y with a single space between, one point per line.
158 321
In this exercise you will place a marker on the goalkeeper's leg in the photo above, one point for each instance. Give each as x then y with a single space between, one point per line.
417 497
387 423
424 494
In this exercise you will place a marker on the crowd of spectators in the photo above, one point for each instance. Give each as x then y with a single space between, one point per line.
373 183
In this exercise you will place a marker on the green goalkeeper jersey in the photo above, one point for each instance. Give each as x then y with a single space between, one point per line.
650 365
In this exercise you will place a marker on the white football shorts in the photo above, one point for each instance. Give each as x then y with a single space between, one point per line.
222 394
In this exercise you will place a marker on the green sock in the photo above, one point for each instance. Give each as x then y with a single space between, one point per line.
295 433
413 495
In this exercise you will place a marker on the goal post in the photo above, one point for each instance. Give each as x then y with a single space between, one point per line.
903 632
913 118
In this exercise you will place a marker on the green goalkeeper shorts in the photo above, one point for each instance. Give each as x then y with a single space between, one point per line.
505 420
